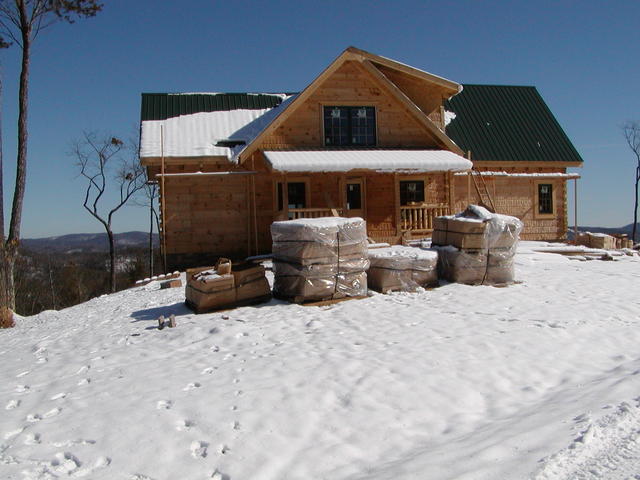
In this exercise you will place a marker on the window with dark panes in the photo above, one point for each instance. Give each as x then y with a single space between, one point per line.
354 196
545 198
411 191
349 126
297 194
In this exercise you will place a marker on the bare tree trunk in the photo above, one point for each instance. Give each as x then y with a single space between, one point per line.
635 207
11 248
112 260
4 288
157 219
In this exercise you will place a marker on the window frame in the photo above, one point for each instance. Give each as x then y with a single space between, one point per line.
285 194
349 105
536 204
412 179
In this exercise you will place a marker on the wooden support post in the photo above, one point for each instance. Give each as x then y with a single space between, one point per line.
396 191
248 194
575 211
255 214
163 207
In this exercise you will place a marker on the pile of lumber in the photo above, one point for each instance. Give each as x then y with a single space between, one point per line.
604 241
476 247
401 268
216 288
319 258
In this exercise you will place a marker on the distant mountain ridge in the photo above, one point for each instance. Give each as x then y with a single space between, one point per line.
626 229
88 242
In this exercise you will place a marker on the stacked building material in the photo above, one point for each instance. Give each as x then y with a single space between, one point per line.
319 258
602 241
209 289
400 268
476 246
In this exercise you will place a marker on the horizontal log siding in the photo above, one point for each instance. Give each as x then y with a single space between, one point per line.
349 85
205 217
516 196
380 212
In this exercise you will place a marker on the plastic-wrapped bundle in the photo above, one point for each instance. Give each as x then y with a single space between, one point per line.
476 246
401 268
319 269
306 252
476 228
325 231
319 258
476 267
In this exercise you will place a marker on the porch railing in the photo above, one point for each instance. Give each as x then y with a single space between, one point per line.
419 218
295 213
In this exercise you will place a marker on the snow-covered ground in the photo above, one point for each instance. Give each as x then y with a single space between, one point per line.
537 380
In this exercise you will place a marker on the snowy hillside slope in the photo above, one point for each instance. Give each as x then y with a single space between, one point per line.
538 380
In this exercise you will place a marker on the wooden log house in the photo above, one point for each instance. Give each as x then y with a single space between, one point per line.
369 137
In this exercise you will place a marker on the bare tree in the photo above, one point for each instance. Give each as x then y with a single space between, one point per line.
149 197
102 161
20 22
631 131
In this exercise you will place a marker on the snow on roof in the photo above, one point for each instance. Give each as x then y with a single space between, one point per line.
195 135
250 131
377 160
536 174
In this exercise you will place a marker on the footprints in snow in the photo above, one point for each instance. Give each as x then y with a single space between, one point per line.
12 404
36 417
23 389
191 386
185 425
164 404
199 449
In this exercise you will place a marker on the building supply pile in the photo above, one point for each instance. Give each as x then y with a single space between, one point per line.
476 246
401 268
604 241
226 286
319 258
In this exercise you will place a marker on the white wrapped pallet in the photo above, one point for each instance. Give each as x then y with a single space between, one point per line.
476 246
319 258
400 268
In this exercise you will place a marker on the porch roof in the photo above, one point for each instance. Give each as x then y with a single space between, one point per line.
384 161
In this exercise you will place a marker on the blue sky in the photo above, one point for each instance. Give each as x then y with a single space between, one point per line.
581 55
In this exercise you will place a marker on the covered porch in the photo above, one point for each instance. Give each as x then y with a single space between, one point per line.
398 193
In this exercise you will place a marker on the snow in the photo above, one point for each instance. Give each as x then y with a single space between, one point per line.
539 380
321 223
449 117
568 176
195 135
401 252
377 160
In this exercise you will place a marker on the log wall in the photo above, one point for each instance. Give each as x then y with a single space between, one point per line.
351 84
516 196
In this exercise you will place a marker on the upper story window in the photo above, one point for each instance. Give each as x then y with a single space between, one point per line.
349 126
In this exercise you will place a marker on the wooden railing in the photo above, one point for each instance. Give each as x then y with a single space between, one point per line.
295 213
419 218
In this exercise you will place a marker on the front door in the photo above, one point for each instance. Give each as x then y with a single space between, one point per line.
354 206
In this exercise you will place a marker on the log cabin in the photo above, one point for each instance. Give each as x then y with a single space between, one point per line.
369 137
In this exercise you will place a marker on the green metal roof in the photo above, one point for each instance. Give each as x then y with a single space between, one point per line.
160 106
507 123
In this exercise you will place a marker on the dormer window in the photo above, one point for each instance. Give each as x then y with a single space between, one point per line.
349 126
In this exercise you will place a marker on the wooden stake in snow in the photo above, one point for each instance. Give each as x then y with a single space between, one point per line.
161 322
172 321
